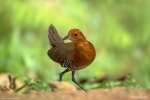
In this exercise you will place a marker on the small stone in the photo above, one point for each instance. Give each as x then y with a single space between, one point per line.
61 86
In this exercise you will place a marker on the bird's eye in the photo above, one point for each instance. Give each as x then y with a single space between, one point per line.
75 34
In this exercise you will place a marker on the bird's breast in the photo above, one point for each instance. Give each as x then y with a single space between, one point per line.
83 54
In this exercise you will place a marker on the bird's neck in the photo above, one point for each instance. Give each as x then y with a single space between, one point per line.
80 46
80 42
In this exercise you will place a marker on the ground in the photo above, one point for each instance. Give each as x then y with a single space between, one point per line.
116 93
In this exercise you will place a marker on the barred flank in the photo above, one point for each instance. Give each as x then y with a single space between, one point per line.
67 63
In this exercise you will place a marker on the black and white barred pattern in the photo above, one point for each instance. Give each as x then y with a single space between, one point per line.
67 63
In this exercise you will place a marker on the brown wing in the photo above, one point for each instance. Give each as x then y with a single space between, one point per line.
61 52
53 36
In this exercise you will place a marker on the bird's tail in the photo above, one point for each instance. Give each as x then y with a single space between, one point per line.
53 36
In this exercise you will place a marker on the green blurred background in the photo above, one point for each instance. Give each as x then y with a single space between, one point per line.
119 30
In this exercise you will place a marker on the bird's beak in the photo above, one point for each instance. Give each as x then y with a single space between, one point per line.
67 37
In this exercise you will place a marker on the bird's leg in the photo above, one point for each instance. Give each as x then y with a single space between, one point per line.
62 73
74 80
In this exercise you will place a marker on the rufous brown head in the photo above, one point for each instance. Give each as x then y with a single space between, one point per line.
75 35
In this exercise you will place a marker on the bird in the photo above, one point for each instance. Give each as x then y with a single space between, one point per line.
74 55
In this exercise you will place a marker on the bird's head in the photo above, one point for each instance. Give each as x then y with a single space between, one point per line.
75 35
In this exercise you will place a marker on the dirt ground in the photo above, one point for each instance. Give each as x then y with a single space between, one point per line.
116 93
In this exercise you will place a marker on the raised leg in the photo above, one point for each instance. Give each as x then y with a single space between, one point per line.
62 73
74 80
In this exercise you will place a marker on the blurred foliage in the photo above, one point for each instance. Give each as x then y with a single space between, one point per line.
119 30
31 84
